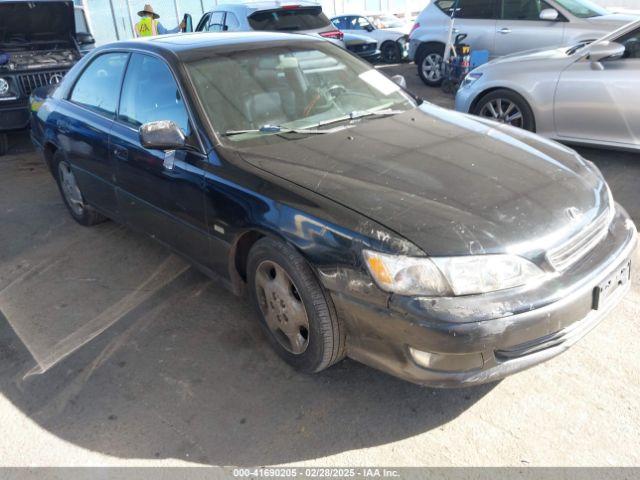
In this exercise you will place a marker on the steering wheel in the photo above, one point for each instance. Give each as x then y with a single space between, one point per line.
330 94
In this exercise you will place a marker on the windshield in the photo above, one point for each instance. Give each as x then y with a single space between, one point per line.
386 21
583 8
292 88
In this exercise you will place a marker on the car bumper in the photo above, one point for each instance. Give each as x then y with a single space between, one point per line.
477 339
412 49
464 99
14 116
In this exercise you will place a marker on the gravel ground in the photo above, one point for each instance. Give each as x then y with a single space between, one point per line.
181 375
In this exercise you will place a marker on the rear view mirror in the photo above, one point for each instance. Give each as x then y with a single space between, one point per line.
162 135
549 14
603 51
399 80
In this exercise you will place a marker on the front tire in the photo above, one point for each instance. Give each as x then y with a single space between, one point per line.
430 64
295 311
80 210
390 52
506 106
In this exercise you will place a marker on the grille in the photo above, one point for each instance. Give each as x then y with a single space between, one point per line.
31 81
579 245
366 47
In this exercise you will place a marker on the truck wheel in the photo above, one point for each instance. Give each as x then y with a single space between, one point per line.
506 106
81 212
390 52
4 144
429 64
295 311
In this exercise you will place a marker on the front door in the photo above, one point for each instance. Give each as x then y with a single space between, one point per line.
519 27
602 105
160 193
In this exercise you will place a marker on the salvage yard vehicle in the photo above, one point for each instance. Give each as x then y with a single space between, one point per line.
445 249
503 27
37 47
364 47
391 35
276 16
583 94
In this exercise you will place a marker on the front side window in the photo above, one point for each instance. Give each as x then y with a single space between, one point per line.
631 42
150 93
523 9
217 22
582 8
474 9
97 87
231 21
293 87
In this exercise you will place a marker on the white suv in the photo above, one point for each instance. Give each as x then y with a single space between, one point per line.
506 26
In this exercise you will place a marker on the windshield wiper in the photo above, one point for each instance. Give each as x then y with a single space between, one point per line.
315 128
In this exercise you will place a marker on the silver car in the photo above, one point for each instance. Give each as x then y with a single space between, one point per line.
504 27
586 94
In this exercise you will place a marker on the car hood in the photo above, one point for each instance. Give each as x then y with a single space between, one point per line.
27 23
450 184
559 53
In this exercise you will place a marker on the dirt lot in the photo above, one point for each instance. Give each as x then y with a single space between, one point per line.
180 372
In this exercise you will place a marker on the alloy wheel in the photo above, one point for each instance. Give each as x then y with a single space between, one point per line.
70 189
282 307
504 111
432 67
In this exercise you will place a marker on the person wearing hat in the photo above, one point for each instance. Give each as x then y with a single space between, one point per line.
149 26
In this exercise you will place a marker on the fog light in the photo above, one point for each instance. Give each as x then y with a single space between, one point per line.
445 361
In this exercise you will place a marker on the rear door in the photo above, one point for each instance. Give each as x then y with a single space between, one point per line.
602 105
476 19
519 27
84 123
160 193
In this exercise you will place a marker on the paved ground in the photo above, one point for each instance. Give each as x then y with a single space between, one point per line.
181 373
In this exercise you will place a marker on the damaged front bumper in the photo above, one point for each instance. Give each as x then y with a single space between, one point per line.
469 340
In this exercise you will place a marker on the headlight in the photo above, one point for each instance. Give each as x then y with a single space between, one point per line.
470 79
446 276
4 87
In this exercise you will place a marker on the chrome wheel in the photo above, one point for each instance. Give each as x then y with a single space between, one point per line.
504 111
70 188
432 67
282 307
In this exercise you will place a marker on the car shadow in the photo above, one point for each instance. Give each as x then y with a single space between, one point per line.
187 374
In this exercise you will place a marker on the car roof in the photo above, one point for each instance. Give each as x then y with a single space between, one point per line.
262 5
194 45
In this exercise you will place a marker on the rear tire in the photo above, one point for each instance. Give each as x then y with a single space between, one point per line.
429 63
295 311
4 144
80 210
506 106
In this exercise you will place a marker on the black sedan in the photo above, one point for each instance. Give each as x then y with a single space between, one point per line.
360 221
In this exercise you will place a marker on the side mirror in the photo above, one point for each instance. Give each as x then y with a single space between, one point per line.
162 135
549 14
85 38
369 28
399 80
188 23
602 51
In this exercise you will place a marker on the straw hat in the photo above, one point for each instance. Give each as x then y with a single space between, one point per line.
148 9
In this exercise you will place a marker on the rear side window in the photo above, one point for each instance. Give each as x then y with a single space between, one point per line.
150 93
477 9
289 19
97 87
217 22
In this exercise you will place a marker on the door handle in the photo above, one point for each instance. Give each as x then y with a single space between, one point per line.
121 153
504 31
